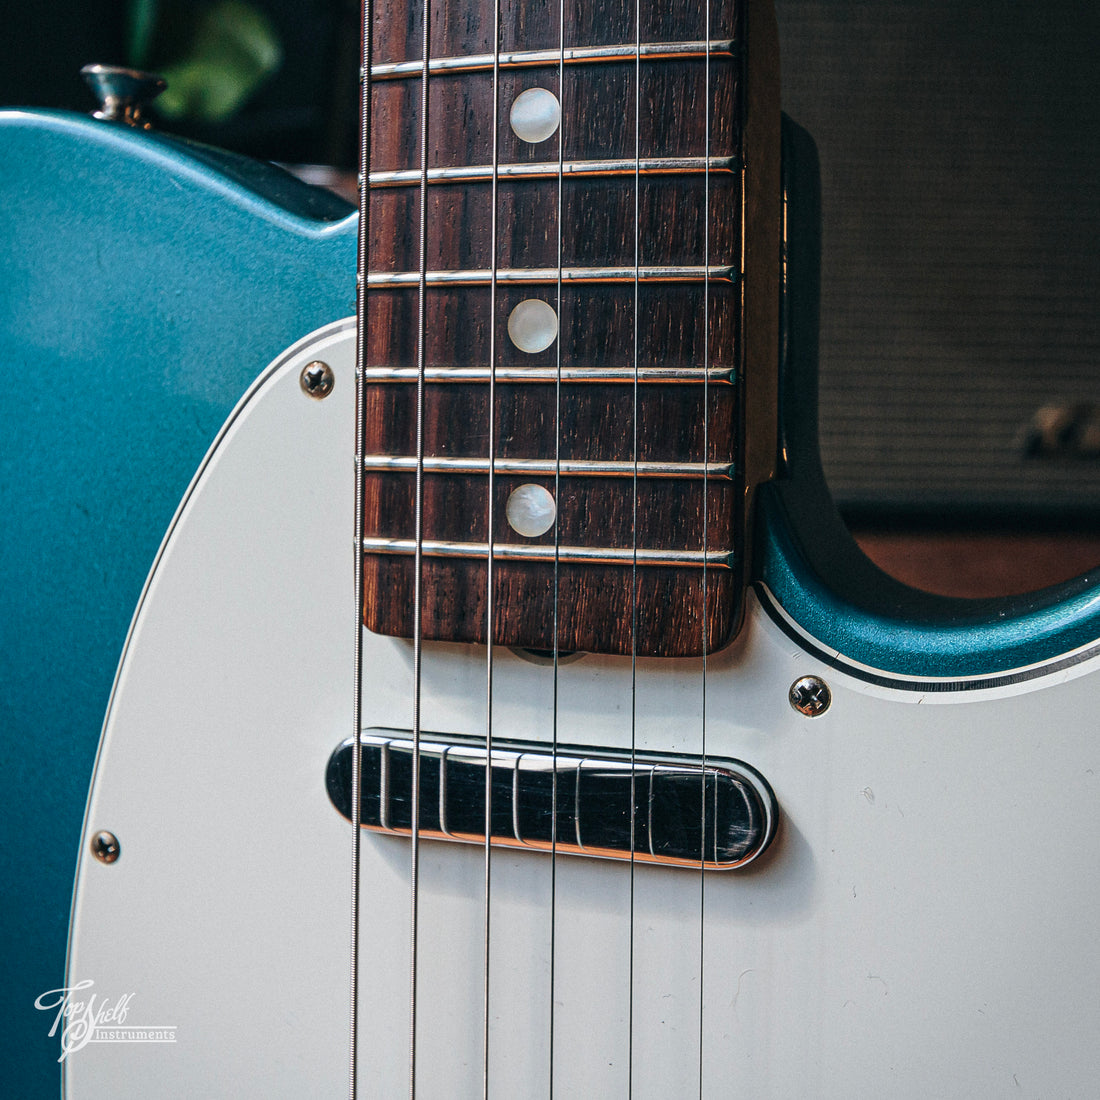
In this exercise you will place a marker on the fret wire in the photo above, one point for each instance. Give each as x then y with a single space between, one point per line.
669 375
687 273
576 55
386 463
476 173
544 552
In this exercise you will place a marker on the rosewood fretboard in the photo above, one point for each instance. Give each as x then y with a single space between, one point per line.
628 223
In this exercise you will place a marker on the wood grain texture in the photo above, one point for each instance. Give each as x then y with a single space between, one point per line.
610 110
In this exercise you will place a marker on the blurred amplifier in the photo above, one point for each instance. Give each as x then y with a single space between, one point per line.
960 328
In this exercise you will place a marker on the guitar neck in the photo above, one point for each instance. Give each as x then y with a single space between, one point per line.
572 253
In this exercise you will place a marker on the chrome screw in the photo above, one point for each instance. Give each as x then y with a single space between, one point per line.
317 380
105 847
810 696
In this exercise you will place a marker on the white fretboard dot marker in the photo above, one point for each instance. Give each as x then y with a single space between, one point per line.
533 325
531 510
535 115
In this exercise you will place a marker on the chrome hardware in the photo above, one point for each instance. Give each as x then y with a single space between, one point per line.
547 467
317 380
696 375
578 55
691 273
810 696
685 812
105 847
588 555
477 173
123 94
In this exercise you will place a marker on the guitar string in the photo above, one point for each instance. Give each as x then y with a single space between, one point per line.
634 535
362 267
418 554
557 545
418 562
704 616
490 524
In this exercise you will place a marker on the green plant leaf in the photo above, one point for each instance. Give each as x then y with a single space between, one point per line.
233 51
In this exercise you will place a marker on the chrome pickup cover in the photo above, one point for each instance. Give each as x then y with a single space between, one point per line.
677 811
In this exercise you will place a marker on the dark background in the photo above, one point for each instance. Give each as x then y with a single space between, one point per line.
960 154
303 114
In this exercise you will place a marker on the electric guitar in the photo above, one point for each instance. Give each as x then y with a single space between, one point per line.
630 776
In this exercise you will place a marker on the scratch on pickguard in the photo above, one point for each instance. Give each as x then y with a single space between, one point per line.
737 992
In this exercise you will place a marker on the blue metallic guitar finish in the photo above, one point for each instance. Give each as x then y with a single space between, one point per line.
146 283
806 562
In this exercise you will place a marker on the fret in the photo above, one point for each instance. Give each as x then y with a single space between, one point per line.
538 552
598 105
595 331
459 29
622 375
590 419
573 55
591 611
548 467
477 173
597 511
541 276
673 213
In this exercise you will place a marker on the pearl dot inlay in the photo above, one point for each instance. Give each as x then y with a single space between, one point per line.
535 115
531 510
533 325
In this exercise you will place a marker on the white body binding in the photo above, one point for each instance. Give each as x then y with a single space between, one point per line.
924 924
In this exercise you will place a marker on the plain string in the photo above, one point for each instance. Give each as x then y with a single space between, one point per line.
704 617
634 532
489 571
362 269
418 559
557 545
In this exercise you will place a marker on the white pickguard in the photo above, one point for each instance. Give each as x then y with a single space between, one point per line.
924 924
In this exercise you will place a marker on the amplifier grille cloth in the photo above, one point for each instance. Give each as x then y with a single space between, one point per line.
960 154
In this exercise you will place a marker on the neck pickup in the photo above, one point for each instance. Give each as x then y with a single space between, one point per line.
716 815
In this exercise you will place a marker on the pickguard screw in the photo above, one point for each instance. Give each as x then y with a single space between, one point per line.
105 847
317 379
810 696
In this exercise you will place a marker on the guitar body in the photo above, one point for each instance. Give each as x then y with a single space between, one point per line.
146 283
922 924
888 878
